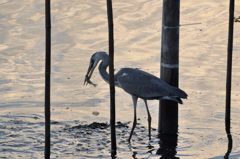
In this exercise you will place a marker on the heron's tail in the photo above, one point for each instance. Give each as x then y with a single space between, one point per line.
175 99
180 93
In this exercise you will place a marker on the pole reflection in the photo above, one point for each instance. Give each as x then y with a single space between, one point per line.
167 146
228 128
229 149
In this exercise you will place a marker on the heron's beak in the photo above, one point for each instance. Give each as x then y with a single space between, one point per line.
91 68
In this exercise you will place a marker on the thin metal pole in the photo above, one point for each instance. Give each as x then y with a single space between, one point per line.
168 110
111 78
229 78
47 78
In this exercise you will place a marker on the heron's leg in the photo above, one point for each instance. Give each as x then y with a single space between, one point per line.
134 98
149 119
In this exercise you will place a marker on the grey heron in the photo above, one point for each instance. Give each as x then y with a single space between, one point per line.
138 83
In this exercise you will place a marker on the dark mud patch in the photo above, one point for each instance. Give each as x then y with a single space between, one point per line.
94 125
97 125
25 135
94 138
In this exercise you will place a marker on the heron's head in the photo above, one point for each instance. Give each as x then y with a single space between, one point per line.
96 57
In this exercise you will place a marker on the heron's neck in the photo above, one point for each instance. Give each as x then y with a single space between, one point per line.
103 71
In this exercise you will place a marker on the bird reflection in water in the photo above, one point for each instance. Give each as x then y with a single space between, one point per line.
167 147
147 151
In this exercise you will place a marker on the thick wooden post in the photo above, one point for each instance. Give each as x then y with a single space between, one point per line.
111 78
229 78
168 110
47 78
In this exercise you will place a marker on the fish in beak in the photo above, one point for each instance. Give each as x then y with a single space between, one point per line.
91 68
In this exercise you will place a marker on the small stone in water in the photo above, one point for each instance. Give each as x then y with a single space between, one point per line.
95 113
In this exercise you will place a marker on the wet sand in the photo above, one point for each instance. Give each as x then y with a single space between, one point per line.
79 28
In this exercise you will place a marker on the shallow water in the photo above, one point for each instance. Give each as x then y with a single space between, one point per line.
79 28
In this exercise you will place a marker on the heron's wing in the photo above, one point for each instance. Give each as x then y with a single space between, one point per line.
143 84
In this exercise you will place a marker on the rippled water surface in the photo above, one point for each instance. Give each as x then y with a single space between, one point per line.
80 114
